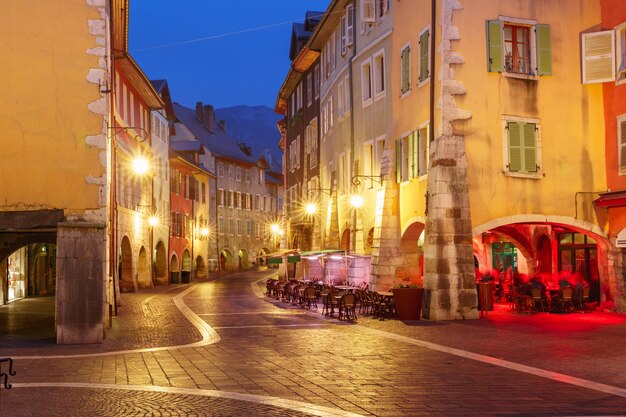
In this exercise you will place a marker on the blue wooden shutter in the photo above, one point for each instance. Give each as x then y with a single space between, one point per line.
495 46
515 146
544 50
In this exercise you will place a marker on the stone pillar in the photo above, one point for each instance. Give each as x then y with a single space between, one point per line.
615 273
331 240
81 283
449 264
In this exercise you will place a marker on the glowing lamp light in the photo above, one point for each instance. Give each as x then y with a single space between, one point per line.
311 208
356 201
140 165
153 221
275 228
204 231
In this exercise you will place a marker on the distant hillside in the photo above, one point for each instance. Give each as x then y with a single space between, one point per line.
256 126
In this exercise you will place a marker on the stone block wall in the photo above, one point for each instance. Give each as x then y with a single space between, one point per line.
81 283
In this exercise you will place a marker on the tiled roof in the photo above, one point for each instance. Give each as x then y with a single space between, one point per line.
217 141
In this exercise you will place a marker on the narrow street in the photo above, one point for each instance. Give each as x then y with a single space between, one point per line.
260 357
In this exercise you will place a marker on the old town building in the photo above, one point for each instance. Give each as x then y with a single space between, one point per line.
298 100
458 164
245 206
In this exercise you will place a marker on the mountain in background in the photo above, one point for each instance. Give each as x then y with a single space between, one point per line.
255 126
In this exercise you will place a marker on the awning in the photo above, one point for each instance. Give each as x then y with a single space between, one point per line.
612 199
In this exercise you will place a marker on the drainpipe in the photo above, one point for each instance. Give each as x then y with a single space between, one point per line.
351 74
433 22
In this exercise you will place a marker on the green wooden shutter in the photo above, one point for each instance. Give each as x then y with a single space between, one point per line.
405 69
398 160
515 148
424 64
415 154
495 46
411 162
544 50
530 147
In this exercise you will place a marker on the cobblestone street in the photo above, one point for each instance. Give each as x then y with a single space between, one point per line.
266 358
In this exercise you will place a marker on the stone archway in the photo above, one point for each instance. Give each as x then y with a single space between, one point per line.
144 278
185 268
201 269
226 260
344 244
160 264
242 257
125 266
174 270
412 255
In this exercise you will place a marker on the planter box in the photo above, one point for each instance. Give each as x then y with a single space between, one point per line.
408 302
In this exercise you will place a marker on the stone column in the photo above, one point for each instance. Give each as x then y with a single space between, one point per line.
81 283
615 273
448 254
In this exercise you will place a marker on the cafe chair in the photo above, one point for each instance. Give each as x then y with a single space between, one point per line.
537 297
347 307
565 300
584 299
310 297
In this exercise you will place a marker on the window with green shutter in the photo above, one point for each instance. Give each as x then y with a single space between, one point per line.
405 68
522 147
398 160
424 67
519 48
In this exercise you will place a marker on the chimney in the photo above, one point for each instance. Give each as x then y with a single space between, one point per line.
208 118
199 110
222 124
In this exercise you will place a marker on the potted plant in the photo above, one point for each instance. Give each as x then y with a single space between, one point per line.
408 300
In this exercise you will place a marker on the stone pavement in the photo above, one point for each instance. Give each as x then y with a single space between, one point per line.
273 359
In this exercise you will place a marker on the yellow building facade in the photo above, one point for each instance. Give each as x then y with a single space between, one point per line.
53 118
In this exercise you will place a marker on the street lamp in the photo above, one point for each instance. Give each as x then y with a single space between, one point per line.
153 221
311 208
356 201
140 165
276 231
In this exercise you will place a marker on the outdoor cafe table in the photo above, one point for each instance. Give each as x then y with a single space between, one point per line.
346 288
388 294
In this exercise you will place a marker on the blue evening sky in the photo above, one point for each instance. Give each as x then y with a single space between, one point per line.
245 68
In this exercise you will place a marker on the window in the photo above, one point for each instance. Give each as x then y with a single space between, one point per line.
383 7
422 150
379 75
258 202
346 83
220 197
340 99
231 199
261 176
231 226
380 149
405 69
309 89
350 25
620 34
366 82
299 96
313 143
240 227
187 187
368 11
522 145
247 174
424 56
238 173
249 227
621 143
331 113
598 56
238 200
280 204
316 81
220 225
344 34
231 172
519 47
220 170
